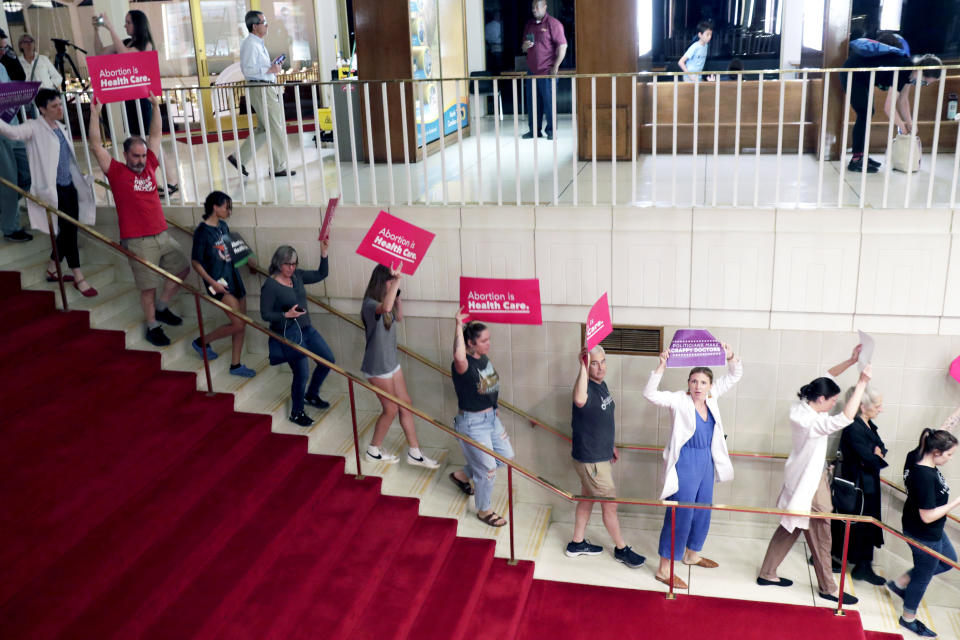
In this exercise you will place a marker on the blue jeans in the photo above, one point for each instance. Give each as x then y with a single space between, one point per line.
481 467
924 568
695 475
15 168
544 103
300 364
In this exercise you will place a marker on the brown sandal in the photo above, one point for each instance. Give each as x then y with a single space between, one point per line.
706 563
491 519
463 486
677 582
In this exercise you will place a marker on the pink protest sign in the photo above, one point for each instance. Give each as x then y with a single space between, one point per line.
500 300
124 76
599 324
391 241
955 369
328 218
695 348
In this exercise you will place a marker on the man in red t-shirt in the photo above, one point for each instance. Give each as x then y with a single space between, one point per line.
545 46
143 227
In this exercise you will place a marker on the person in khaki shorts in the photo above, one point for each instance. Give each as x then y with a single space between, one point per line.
143 227
594 454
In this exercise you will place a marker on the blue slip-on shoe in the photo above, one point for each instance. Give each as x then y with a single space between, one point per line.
211 354
242 370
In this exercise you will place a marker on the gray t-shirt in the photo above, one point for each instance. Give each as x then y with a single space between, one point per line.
380 356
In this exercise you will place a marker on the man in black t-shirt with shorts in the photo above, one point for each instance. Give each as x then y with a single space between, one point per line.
594 453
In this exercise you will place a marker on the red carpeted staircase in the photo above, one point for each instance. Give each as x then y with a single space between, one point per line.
135 507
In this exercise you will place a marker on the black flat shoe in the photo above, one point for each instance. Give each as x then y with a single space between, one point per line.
237 166
301 419
283 174
847 598
781 582
316 401
866 574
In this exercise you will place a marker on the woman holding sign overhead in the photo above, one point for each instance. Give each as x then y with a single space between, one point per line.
695 453
478 385
381 312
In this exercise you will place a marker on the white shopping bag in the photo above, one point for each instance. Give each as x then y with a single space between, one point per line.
900 153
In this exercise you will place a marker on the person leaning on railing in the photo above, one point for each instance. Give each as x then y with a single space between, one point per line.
211 259
805 486
594 453
139 38
56 179
381 313
695 453
143 227
924 515
477 385
283 303
862 456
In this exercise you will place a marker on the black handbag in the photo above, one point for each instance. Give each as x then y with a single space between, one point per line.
847 496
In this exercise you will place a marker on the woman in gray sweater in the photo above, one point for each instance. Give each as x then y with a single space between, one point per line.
381 312
283 303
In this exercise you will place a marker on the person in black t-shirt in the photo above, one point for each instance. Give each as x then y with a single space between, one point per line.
211 260
924 514
594 453
897 105
478 386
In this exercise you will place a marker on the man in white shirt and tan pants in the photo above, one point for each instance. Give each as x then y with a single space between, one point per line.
259 68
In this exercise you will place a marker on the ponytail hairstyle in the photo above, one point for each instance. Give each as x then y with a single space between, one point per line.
377 289
820 387
935 440
472 331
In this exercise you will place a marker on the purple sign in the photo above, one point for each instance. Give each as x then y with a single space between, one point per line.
695 348
14 95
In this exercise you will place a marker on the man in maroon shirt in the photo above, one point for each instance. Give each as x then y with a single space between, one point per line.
545 46
143 227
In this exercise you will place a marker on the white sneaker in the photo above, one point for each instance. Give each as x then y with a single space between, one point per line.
384 458
422 461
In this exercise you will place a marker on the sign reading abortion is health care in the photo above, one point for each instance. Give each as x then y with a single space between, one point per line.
124 76
695 348
14 95
599 324
391 241
500 300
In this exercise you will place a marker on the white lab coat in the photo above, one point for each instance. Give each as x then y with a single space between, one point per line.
43 153
685 425
801 477
42 71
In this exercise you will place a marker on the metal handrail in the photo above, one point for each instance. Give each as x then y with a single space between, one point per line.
353 380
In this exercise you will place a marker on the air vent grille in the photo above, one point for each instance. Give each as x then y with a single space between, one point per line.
629 340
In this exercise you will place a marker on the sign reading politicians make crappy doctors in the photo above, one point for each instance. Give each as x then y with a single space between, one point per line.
502 301
14 95
124 76
695 348
391 241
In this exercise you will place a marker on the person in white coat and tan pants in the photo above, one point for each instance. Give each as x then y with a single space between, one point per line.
56 179
805 486
695 455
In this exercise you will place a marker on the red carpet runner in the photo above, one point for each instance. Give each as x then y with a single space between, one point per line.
135 507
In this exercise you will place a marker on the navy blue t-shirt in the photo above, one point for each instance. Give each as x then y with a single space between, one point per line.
594 427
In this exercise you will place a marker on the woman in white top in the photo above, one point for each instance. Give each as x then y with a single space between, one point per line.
694 455
805 485
37 67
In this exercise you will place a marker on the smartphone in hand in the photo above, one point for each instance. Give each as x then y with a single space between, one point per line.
280 58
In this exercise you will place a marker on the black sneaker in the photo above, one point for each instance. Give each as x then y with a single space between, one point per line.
284 173
157 337
873 163
583 548
865 573
528 135
169 317
847 598
629 557
857 166
899 591
917 627
301 418
232 160
18 236
316 401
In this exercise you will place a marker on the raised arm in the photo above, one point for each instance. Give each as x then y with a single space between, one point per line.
93 137
853 404
838 369
459 347
155 136
321 272
734 372
951 422
117 46
390 298
580 386
652 391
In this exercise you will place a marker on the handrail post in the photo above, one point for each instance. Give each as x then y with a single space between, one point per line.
356 436
513 559
843 567
56 258
673 542
203 345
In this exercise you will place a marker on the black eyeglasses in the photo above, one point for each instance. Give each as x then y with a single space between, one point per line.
290 264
